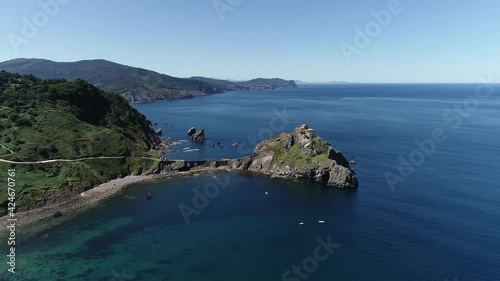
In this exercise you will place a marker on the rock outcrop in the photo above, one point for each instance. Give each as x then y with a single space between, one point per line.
191 131
199 136
300 154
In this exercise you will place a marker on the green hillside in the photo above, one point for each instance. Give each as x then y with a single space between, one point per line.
56 119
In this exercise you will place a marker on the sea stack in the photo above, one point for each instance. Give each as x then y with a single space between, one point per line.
199 136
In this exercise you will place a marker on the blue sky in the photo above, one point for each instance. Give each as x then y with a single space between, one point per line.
425 41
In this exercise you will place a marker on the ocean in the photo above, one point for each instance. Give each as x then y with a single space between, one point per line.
427 206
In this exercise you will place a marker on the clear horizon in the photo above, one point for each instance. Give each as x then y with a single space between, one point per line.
383 41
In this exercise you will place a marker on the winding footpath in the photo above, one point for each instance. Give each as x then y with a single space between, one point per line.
66 160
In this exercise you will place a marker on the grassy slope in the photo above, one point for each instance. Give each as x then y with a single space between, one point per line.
42 120
296 156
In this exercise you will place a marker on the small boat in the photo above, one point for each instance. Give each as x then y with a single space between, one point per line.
321 221
353 162
235 144
301 223
267 193
149 195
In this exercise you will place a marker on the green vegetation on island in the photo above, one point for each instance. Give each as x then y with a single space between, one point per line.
303 154
56 119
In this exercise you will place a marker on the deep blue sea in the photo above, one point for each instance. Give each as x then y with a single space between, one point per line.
427 208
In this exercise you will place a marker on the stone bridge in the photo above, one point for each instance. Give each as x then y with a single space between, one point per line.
187 165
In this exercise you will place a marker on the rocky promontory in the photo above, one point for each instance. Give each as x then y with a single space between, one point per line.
300 154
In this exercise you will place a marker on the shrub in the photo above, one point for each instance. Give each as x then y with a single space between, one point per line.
14 117
23 122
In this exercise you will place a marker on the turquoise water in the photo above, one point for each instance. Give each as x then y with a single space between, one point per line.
442 222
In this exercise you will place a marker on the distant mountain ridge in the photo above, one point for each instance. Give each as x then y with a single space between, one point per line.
300 82
253 85
135 84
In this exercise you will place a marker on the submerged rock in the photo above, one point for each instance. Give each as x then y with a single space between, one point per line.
301 154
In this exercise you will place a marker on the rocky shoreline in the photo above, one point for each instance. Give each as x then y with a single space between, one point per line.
36 220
